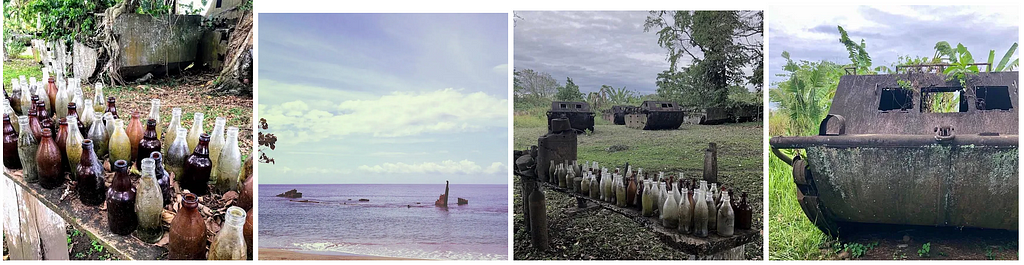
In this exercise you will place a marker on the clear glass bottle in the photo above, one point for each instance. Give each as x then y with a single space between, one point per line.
647 199
108 123
87 115
177 151
585 185
188 232
76 97
98 135
149 204
229 244
98 100
120 145
154 114
216 144
135 130
92 184
195 131
27 148
230 163
700 215
121 216
685 212
670 212
595 187
198 166
11 158
620 191
13 115
74 145
726 218
48 160
60 102
712 211
172 129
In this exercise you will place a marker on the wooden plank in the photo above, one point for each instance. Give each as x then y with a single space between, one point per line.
52 231
700 247
22 238
90 220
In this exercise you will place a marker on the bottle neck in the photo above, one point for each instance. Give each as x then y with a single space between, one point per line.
121 180
150 133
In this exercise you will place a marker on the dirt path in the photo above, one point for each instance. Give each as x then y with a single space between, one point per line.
900 242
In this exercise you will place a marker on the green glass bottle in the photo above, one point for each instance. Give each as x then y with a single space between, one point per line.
28 145
195 131
174 161
74 145
149 204
120 144
98 135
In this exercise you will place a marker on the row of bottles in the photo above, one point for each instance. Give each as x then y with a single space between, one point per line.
49 142
691 207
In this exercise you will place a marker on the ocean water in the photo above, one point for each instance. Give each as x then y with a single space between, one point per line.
399 220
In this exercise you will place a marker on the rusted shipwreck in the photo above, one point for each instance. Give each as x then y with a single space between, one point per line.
889 152
655 115
578 114
617 114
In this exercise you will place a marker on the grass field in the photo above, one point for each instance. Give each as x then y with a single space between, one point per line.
740 164
791 236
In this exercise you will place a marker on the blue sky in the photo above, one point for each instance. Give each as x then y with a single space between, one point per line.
385 98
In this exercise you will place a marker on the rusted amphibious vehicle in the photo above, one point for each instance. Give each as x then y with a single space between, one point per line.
655 115
578 113
889 152
617 114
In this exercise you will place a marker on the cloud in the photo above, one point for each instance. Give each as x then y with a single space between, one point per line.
501 69
394 115
464 167
307 170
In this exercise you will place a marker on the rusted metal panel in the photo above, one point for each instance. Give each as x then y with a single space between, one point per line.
655 115
578 113
617 114
558 146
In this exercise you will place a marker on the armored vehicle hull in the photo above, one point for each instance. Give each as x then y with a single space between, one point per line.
578 113
655 115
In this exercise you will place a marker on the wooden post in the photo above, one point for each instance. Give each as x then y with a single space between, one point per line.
33 231
711 163
527 186
538 220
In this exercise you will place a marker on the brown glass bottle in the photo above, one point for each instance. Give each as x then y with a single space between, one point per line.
148 144
744 215
197 168
51 92
247 231
11 158
111 102
73 111
134 130
33 124
245 194
62 144
121 217
162 177
48 159
188 232
91 185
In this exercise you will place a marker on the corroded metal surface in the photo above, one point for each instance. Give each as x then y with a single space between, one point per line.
617 114
578 113
655 115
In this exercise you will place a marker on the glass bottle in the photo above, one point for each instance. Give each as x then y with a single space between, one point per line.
25 102
77 98
121 216
91 185
188 232
595 187
670 212
174 161
98 135
135 131
154 114
112 108
162 177
73 145
245 194
48 161
62 143
172 128
45 118
646 200
585 185
685 212
716 195
13 115
195 131
229 244
560 175
744 215
73 113
60 101
661 194
631 191
230 163
217 144
51 94
120 144
149 204
108 124
197 168
98 100
149 142
87 115
16 96
700 215
247 232
620 191
11 158
726 218
28 145
712 211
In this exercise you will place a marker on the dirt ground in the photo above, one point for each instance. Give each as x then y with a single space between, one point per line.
903 242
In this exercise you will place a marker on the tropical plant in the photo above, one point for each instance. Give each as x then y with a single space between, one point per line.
569 92
1004 63
859 57
806 96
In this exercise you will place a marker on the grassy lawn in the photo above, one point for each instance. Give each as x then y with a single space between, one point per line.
186 92
740 164
791 236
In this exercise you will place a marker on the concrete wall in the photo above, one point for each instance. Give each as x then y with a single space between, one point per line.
148 42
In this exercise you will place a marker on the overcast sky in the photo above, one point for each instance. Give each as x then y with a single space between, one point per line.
385 98
810 33
594 48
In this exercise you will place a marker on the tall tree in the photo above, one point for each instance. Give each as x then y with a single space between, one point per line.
717 44
569 92
533 85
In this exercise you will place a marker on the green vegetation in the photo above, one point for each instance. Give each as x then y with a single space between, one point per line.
925 250
791 236
18 67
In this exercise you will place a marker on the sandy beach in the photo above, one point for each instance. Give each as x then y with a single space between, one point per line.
282 254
